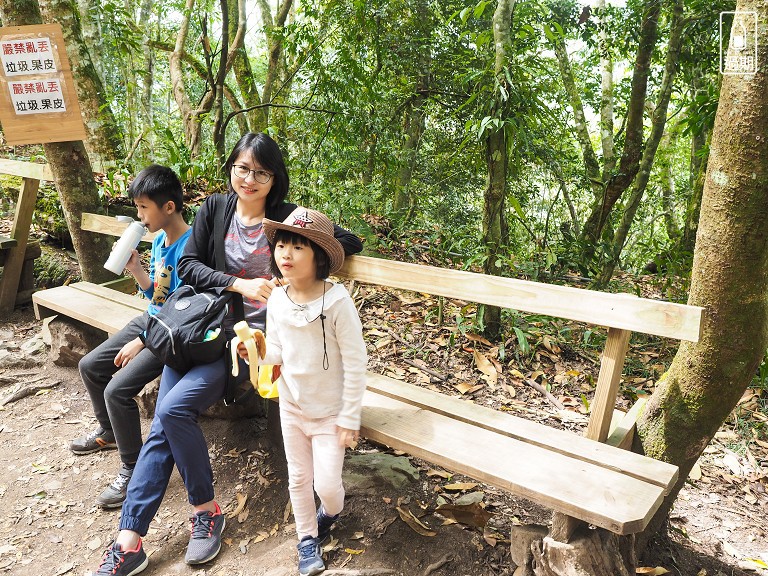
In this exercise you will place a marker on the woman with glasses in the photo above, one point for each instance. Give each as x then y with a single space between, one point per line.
257 188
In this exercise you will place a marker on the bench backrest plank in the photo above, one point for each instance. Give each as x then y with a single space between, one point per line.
108 225
577 447
624 505
624 311
26 169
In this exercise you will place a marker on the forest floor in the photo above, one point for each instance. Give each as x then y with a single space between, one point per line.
51 524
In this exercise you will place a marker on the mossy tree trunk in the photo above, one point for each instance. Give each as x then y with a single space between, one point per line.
729 279
71 170
496 161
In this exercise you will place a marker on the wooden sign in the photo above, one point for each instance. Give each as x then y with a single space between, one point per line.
38 99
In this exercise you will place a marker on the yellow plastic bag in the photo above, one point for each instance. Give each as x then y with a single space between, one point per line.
267 384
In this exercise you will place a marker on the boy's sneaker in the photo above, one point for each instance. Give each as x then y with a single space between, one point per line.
117 562
324 525
205 540
99 439
113 495
310 557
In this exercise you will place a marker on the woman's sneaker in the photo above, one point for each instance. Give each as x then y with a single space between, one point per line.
205 540
99 439
324 525
117 562
113 495
310 557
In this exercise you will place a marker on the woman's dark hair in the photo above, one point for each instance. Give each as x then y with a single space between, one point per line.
266 152
160 184
322 262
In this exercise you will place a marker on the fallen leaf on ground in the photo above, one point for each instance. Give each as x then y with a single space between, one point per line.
416 525
94 543
730 550
353 551
440 473
487 368
470 514
466 387
657 571
460 486
241 500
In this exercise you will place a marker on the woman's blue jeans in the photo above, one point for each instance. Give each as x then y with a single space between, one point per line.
175 438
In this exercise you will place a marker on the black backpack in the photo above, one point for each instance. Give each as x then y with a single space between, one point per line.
189 328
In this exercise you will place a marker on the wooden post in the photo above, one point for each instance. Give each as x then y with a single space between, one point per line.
604 401
9 284
601 413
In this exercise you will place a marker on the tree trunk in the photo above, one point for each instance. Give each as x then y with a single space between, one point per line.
658 123
104 133
190 117
404 201
729 279
496 160
71 170
629 164
147 76
698 170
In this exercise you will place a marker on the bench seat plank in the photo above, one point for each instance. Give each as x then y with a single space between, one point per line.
112 295
600 496
91 309
567 443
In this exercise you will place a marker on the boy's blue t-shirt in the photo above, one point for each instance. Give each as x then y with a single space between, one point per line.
163 263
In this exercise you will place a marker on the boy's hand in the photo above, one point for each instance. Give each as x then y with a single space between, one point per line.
347 437
134 263
128 352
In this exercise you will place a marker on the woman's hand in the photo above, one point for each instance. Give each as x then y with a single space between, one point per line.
254 288
128 352
347 437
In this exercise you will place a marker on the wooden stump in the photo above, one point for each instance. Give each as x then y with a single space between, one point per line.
251 406
589 553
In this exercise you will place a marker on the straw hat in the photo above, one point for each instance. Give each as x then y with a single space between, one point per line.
313 225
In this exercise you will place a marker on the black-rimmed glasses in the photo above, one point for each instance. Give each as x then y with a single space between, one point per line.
261 176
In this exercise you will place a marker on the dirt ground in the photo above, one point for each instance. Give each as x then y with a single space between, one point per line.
50 524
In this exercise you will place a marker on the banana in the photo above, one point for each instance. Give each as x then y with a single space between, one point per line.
254 341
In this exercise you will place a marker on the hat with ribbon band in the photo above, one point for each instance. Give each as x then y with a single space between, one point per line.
313 225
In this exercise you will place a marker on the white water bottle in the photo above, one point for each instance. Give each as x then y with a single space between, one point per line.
121 253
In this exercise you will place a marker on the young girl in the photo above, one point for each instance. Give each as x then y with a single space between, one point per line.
314 332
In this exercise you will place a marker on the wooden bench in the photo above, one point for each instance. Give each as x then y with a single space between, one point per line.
104 306
16 255
583 478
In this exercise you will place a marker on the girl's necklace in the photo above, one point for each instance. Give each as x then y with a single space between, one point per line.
304 307
300 307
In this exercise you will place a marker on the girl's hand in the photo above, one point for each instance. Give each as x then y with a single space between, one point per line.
254 288
242 351
128 352
347 437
